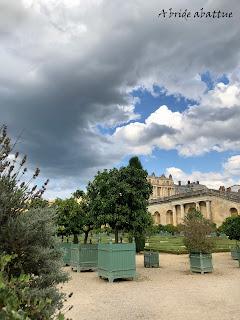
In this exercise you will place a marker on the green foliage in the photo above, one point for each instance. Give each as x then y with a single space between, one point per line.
68 212
38 203
134 162
119 198
169 228
15 192
28 234
16 301
140 243
196 233
74 216
231 227
78 194
175 244
30 237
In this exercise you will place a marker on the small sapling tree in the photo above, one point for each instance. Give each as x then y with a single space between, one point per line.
196 233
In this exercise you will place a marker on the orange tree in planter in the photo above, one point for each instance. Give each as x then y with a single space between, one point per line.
73 216
119 198
196 233
197 239
231 227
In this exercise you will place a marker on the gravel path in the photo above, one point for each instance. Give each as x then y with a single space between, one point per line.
169 293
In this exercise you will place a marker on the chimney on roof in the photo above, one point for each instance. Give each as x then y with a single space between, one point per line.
179 183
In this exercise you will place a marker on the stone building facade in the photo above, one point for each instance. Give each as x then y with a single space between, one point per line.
214 205
162 186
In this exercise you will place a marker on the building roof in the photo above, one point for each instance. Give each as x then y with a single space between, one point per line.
227 195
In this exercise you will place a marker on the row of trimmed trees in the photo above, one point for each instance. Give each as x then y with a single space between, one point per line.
30 260
116 198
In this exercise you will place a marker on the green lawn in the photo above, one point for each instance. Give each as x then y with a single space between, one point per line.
168 244
175 244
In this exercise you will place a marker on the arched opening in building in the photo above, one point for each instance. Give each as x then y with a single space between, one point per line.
190 206
233 212
190 209
169 217
157 218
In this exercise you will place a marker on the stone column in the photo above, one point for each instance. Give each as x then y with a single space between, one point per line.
208 207
154 192
197 206
163 192
174 216
182 211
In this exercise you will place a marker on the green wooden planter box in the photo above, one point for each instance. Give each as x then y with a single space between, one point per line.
116 260
151 259
201 262
235 251
74 255
66 249
84 257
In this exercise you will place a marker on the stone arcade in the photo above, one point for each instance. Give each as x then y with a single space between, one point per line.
169 202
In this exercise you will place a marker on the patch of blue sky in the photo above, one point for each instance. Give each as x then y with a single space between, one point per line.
148 103
211 82
151 102
160 160
105 130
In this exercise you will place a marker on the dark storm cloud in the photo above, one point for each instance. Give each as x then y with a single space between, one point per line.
153 131
64 70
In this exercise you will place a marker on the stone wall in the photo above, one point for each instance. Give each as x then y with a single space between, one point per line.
213 205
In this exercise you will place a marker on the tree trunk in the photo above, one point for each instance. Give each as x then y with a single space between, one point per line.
62 237
85 236
75 238
116 236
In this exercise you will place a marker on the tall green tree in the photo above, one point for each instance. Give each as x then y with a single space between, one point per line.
69 217
119 198
74 216
88 220
135 163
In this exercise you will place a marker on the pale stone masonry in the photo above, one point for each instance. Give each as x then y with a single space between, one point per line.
214 205
162 186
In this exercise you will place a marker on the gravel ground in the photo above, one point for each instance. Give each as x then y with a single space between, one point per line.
170 292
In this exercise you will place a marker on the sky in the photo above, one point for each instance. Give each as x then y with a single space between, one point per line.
88 84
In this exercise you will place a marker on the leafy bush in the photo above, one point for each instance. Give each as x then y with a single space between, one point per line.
30 237
28 233
16 301
140 243
170 228
196 233
231 227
